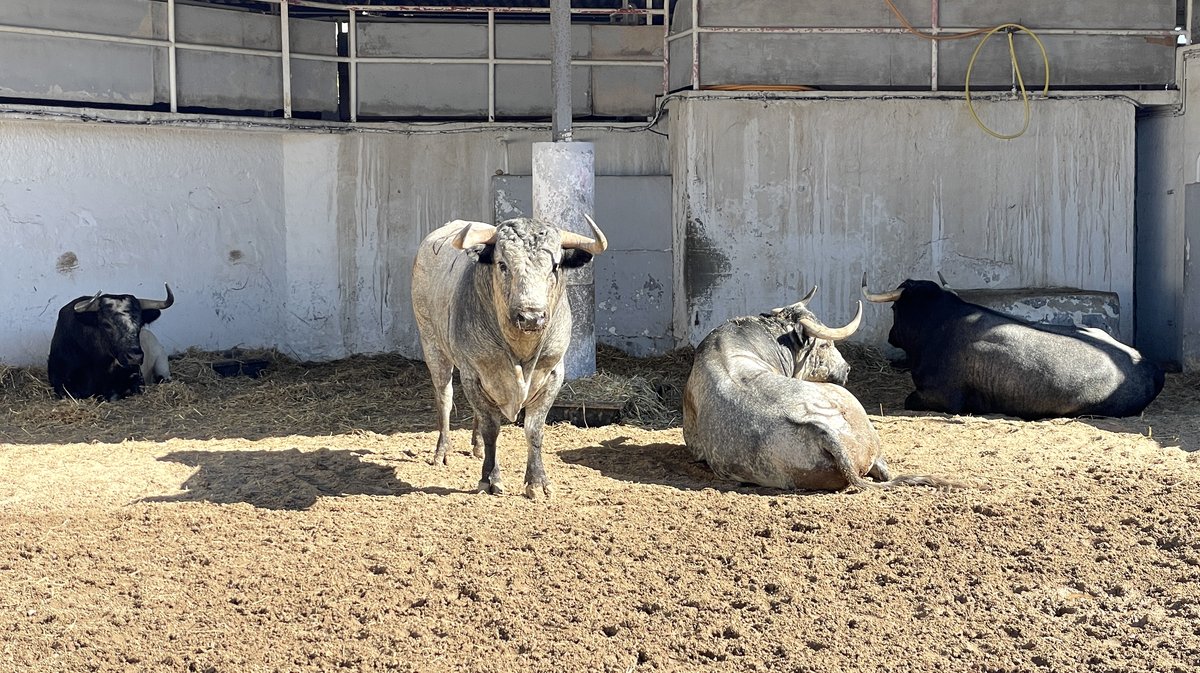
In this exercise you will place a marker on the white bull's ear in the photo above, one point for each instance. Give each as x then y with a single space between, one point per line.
472 234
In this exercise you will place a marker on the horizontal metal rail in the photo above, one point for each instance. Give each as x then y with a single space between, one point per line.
935 29
353 17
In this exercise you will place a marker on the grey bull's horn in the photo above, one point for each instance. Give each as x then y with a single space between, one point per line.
942 279
158 303
880 297
813 327
802 302
580 242
473 234
86 305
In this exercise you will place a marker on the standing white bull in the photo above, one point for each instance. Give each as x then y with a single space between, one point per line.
490 301
764 404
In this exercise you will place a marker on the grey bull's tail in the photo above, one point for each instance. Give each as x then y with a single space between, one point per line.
841 459
908 480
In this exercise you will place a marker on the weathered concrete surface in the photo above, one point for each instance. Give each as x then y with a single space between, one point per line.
774 196
564 190
633 279
301 241
1168 209
1054 306
874 60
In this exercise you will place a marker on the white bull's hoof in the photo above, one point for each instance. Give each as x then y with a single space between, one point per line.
491 487
531 490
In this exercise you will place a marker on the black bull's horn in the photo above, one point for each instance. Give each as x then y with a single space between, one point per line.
881 296
93 304
479 233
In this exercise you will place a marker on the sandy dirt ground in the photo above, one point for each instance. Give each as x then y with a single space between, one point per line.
292 523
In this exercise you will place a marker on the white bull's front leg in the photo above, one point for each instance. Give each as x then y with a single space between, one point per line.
535 424
488 420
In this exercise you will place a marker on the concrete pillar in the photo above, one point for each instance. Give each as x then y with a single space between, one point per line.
564 188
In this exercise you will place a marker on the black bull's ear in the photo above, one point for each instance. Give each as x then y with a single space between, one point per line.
482 254
574 258
149 315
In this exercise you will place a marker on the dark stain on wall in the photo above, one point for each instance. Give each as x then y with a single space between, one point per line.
67 262
705 264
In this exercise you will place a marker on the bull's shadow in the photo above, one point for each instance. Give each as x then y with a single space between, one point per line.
289 479
660 463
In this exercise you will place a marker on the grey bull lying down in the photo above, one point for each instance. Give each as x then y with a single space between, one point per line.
764 404
490 301
966 358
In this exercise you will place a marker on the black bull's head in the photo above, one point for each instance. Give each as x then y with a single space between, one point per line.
119 318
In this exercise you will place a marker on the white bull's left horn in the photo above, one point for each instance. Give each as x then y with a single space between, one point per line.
580 242
473 234
813 327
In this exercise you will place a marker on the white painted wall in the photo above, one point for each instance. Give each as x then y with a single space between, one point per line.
270 238
120 209
772 197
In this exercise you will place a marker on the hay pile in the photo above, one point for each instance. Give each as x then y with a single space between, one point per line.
381 394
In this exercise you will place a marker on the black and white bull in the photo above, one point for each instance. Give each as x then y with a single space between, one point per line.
764 404
96 350
966 358
490 302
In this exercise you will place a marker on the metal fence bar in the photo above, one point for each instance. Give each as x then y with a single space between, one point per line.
172 65
934 20
352 51
285 50
491 66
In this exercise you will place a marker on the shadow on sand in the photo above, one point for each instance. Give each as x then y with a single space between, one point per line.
288 479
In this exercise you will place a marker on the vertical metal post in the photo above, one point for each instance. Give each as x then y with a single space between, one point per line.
172 69
352 51
491 66
695 44
285 53
564 186
666 79
935 26
560 68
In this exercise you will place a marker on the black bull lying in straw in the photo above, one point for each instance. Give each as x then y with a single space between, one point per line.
96 350
969 359
764 404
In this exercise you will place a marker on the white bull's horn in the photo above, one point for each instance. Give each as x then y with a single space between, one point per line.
85 305
473 234
158 303
880 297
579 242
813 327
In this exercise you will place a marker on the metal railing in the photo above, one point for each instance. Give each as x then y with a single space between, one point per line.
695 30
352 58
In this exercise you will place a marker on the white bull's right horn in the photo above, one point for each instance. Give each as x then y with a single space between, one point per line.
580 242
881 296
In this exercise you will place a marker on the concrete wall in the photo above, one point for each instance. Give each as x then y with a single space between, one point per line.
1168 222
772 197
282 238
